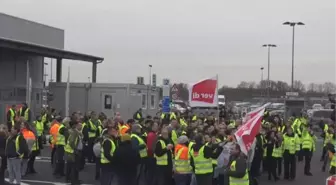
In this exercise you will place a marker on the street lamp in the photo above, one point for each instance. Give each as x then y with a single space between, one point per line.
293 24
269 46
149 87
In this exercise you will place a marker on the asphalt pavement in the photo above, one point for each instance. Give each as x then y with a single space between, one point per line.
44 173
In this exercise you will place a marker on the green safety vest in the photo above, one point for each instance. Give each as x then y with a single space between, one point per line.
194 118
83 125
39 127
103 159
44 118
190 145
277 152
174 136
172 116
138 116
68 148
183 122
162 160
182 165
12 114
202 165
26 113
60 137
94 128
307 142
143 152
35 146
291 144
238 181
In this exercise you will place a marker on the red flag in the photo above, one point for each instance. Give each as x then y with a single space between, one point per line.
204 93
246 133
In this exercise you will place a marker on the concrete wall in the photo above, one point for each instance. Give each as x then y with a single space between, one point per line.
107 98
32 32
13 79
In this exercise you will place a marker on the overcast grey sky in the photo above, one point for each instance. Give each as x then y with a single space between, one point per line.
187 40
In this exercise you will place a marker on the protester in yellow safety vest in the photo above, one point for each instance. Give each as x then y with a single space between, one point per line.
138 142
202 156
291 144
330 139
62 135
108 148
174 135
308 147
15 148
194 117
182 167
183 122
25 112
73 150
163 156
138 115
238 172
92 126
325 135
331 147
273 151
39 127
11 114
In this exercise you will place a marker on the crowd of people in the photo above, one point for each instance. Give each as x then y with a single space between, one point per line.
169 149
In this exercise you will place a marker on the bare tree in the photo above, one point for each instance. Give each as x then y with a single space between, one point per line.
299 86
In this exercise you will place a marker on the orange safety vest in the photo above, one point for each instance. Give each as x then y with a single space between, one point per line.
27 134
185 153
53 133
123 129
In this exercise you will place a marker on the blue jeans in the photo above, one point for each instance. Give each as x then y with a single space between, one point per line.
182 179
106 177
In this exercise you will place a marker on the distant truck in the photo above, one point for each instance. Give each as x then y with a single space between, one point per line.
221 100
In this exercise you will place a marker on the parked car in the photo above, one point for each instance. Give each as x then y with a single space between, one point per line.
317 106
320 115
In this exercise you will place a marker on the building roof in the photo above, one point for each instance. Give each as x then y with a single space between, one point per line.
47 51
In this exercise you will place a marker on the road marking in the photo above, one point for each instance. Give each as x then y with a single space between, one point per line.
48 161
37 181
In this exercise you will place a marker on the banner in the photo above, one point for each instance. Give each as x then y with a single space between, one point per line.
204 93
254 112
246 134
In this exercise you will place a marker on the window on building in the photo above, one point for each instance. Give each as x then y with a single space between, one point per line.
152 101
107 101
144 101
37 97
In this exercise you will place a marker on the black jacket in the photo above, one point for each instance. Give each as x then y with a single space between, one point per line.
107 149
126 159
11 151
259 148
3 139
159 151
240 167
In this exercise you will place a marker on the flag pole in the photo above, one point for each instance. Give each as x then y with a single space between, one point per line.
27 83
217 98
67 94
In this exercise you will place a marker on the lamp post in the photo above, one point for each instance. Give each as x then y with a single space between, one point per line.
269 46
149 88
293 24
